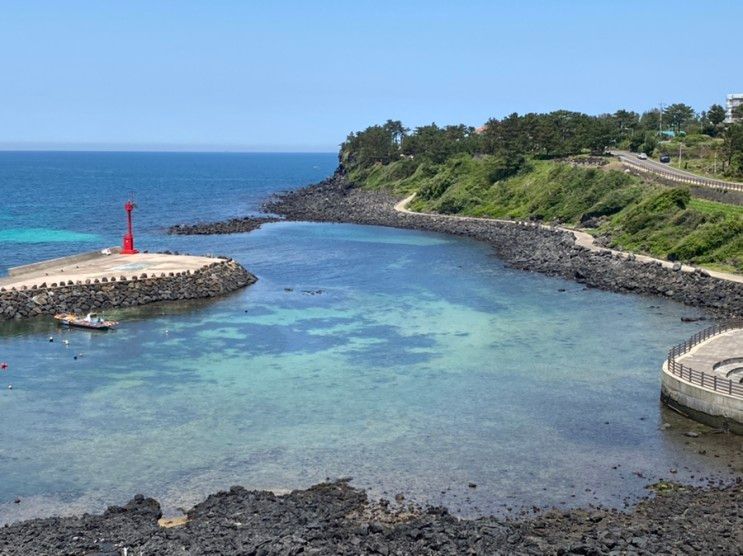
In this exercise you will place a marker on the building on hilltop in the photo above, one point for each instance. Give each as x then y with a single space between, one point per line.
733 101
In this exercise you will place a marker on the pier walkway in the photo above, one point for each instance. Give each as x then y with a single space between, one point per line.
720 356
96 265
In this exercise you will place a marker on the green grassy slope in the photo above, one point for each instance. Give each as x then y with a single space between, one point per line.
663 222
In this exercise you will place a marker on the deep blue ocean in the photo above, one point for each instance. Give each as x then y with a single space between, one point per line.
56 203
414 362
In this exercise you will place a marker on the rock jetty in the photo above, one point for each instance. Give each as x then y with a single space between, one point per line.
217 278
232 226
335 518
526 246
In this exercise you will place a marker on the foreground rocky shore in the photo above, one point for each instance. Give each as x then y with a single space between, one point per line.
335 518
524 246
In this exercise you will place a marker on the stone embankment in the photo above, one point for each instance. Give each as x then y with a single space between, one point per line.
232 226
526 246
216 278
334 518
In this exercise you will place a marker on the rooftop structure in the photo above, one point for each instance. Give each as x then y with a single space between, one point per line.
732 102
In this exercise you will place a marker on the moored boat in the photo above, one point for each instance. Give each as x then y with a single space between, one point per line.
91 320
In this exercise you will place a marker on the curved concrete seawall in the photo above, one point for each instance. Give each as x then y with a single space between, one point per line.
700 378
202 278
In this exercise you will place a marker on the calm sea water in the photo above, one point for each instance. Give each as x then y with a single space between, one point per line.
414 362
58 203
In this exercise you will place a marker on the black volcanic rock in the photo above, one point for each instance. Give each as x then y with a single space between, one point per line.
522 245
232 226
335 518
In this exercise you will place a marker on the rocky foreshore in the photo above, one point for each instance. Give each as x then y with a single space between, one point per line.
335 518
220 277
231 226
525 246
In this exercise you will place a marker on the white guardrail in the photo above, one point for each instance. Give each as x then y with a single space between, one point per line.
680 178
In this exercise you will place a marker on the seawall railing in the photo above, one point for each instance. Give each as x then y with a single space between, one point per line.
700 378
679 178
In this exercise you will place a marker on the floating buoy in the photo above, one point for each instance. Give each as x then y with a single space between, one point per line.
51 338
75 357
3 365
66 342
10 386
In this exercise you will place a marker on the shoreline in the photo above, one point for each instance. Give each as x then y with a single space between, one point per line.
336 518
523 245
582 239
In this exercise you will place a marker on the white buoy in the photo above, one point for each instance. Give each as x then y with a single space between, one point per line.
10 386
66 342
51 338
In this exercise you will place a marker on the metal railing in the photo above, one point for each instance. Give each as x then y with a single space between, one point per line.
700 378
682 178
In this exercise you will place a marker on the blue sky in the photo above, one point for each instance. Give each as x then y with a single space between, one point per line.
298 76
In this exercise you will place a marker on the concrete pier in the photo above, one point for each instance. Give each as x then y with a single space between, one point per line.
108 279
96 265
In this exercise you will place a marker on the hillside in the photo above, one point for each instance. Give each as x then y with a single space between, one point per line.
622 210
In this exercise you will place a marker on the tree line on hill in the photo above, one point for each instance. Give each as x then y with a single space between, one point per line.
550 135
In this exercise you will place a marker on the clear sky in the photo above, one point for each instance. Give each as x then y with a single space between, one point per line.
299 75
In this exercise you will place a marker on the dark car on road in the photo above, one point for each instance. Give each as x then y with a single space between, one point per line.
665 159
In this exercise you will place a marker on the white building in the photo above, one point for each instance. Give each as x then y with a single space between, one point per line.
733 101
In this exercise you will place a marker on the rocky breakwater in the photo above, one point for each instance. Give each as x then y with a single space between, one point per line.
522 245
213 279
334 518
231 226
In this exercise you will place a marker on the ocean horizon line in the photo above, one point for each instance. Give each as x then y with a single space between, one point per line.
186 149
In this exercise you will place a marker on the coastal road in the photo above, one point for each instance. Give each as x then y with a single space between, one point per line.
665 171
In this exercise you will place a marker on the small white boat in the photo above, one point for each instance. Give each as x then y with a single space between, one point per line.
91 320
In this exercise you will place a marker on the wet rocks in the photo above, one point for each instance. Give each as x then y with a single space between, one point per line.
232 226
335 518
217 278
523 245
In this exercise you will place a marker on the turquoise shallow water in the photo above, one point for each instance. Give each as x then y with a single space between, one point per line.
44 235
413 362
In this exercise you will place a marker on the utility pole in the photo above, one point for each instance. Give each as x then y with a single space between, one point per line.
679 153
660 121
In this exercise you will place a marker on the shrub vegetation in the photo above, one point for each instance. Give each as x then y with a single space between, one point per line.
525 167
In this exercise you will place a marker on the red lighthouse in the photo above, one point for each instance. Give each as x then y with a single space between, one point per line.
128 248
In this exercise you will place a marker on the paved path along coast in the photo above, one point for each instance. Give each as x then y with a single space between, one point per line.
582 239
107 279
